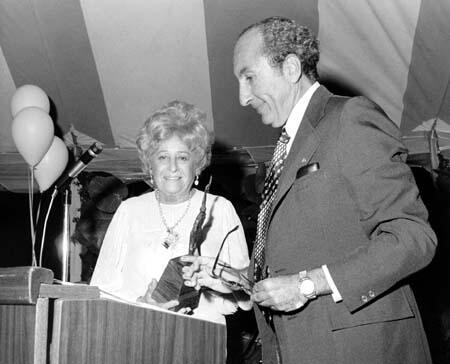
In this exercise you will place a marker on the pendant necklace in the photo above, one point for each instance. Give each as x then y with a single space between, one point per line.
172 236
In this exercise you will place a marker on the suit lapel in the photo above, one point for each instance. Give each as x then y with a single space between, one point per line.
305 143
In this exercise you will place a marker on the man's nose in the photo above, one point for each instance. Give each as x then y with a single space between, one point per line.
244 95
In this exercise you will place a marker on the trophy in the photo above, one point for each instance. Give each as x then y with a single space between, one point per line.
171 284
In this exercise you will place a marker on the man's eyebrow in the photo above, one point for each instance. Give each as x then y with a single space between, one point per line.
243 70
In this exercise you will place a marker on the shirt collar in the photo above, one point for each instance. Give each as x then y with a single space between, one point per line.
297 113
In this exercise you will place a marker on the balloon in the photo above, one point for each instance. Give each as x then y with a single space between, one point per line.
52 165
32 132
29 95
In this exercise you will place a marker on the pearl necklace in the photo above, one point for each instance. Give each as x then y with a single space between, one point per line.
172 236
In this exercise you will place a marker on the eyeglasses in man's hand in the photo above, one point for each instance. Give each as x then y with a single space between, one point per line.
231 278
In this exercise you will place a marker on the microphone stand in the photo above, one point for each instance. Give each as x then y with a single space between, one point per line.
65 236
64 185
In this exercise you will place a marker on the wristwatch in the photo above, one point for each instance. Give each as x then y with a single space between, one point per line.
306 285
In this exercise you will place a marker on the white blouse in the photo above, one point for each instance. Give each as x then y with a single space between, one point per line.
132 253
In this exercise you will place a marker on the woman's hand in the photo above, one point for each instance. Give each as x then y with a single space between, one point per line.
198 273
170 305
221 278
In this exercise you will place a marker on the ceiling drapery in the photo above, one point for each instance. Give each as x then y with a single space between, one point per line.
107 65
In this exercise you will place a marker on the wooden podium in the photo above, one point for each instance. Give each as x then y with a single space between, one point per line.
65 324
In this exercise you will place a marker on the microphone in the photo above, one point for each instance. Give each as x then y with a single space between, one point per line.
67 177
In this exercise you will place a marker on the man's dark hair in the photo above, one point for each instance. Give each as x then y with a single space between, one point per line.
283 36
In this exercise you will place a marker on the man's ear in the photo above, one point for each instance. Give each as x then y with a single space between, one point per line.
292 68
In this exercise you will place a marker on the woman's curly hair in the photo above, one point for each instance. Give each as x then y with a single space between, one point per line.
183 120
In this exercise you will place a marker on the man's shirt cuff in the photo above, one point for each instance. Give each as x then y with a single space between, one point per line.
334 291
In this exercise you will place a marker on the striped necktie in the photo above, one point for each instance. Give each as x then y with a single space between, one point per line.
268 196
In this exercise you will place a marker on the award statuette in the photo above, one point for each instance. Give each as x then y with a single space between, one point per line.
171 287
171 284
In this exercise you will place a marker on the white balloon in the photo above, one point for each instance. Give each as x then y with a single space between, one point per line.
52 165
29 95
32 132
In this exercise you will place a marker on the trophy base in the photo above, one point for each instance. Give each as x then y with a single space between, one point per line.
171 287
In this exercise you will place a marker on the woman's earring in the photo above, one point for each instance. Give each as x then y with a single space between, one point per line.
196 180
151 180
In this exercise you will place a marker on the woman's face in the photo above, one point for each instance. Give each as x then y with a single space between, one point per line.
173 168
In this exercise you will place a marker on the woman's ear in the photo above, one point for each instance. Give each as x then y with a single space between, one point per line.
292 68
200 164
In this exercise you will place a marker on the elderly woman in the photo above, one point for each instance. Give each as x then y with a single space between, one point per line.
147 231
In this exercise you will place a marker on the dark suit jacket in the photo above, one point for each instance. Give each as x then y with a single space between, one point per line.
360 214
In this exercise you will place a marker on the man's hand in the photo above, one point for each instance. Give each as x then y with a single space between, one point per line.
279 293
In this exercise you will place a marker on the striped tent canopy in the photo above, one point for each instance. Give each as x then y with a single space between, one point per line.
107 64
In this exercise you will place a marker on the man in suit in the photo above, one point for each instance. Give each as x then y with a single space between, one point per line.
346 225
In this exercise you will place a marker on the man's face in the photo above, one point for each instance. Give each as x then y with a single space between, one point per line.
263 87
